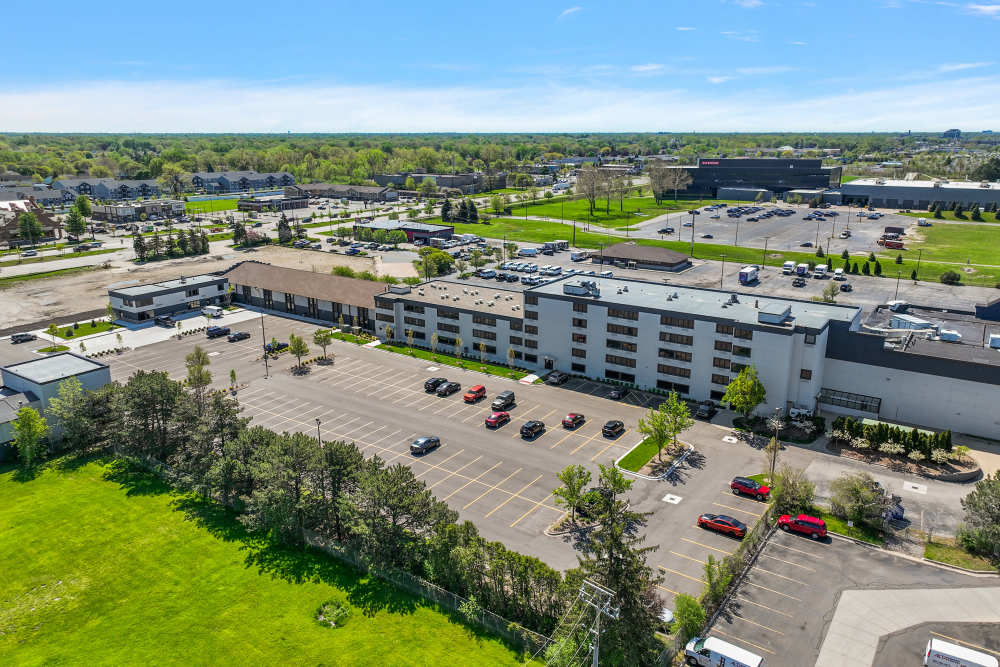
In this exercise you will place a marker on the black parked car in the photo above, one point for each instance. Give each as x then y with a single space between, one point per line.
706 410
532 429
22 337
556 378
275 347
215 332
613 429
617 394
238 335
448 388
425 444
433 383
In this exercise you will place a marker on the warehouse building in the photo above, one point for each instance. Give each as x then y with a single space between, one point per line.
777 175
317 296
895 193
631 255
365 193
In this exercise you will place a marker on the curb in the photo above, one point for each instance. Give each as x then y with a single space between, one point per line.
914 559
963 570
670 470
976 474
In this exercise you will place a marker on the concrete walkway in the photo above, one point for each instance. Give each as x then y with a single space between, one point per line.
864 617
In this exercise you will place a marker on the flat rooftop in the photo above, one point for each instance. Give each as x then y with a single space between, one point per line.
193 281
445 294
975 333
900 183
401 224
53 368
706 303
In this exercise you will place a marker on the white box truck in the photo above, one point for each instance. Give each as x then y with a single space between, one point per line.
527 252
788 268
940 653
802 269
748 275
819 271
579 256
838 274
712 651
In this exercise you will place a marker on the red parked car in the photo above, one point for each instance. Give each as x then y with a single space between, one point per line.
749 487
572 420
497 419
723 524
803 523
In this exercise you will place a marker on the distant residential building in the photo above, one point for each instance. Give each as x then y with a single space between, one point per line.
108 188
11 210
268 203
367 193
415 231
953 133
775 174
143 303
239 181
40 193
469 183
133 211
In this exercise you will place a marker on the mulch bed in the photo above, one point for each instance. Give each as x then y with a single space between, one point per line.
656 468
903 464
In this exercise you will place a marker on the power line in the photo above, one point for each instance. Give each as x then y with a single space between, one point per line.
583 609
600 599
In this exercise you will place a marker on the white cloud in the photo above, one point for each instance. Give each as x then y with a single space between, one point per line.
769 69
958 67
798 43
647 68
568 12
748 4
984 10
719 79
228 106
684 28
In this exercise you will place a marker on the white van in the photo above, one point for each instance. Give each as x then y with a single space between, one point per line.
945 654
712 651
211 311
788 268
820 271
838 274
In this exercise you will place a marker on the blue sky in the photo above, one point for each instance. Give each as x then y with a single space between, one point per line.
672 65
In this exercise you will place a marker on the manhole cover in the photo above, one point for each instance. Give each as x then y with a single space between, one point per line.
729 438
671 498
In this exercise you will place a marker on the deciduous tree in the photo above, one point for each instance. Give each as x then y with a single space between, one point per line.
30 431
570 495
665 423
745 392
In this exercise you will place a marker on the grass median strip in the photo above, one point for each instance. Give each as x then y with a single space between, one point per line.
41 275
449 360
859 531
952 554
86 329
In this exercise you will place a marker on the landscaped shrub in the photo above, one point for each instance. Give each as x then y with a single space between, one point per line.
852 432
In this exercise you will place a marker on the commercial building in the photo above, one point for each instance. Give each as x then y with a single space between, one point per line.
895 193
143 303
240 181
107 188
39 193
469 183
415 231
279 203
366 193
34 383
775 174
694 341
12 209
134 211
631 255
318 296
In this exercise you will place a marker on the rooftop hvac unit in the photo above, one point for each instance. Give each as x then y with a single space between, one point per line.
950 336
489 304
625 288
995 341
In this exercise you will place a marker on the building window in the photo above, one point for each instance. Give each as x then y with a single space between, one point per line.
805 374
579 307
518 354
723 346
447 314
726 329
745 334
484 319
531 329
736 368
720 379
221 287
268 299
488 349
531 299
246 293
313 306
578 368
384 317
621 345
683 322
447 340
531 358
716 395
290 302
741 351
673 370
579 338
623 330
675 354
415 321
516 325
481 333
810 339
515 340
619 361
579 323
623 314
383 303
719 362
531 314
673 386
618 375
577 352
417 335
678 339
411 308
191 292
531 343
450 328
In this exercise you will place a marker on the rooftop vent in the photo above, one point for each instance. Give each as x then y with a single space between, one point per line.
625 288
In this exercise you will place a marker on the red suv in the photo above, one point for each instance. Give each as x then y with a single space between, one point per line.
572 420
474 394
749 487
803 523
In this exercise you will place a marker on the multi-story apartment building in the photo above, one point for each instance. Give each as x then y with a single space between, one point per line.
134 211
240 181
107 188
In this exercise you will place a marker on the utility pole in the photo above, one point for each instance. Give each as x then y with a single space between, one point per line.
263 337
920 254
600 598
722 275
899 274
692 233
763 255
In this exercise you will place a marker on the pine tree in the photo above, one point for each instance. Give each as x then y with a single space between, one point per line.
204 243
878 268
865 270
899 259
913 275
845 255
139 245
182 241
819 251
446 210
871 257
473 216
157 246
854 268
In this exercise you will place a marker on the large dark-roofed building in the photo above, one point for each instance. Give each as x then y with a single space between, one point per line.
774 174
414 230
633 255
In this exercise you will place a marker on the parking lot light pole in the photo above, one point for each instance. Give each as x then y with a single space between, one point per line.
722 274
899 274
692 234
319 439
920 253
263 338
763 255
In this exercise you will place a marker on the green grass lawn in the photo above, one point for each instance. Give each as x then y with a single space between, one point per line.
103 566
85 329
951 553
639 456
958 243
988 218
636 209
52 258
210 205
52 348
7 281
450 360
862 532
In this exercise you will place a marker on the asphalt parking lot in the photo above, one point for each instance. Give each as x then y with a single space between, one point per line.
782 610
907 646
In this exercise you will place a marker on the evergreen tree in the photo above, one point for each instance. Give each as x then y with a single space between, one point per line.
865 270
446 210
139 245
284 231
913 275
845 255
182 242
156 246
899 258
854 268
871 257
878 268
473 214
203 239
819 251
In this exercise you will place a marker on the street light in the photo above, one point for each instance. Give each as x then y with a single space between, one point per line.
263 337
319 439
899 274
722 275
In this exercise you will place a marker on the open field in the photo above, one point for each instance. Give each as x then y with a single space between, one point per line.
210 205
957 243
109 566
51 258
950 215
632 210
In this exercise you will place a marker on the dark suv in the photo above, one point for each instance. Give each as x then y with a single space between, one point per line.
504 400
432 384
556 378
705 410
216 332
613 429
447 388
532 429
238 335
22 337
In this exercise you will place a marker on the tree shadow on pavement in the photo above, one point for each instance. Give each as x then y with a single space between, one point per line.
694 461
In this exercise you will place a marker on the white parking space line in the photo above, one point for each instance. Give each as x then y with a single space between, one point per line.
495 487
787 562
441 463
771 590
452 473
804 553
474 479
758 568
